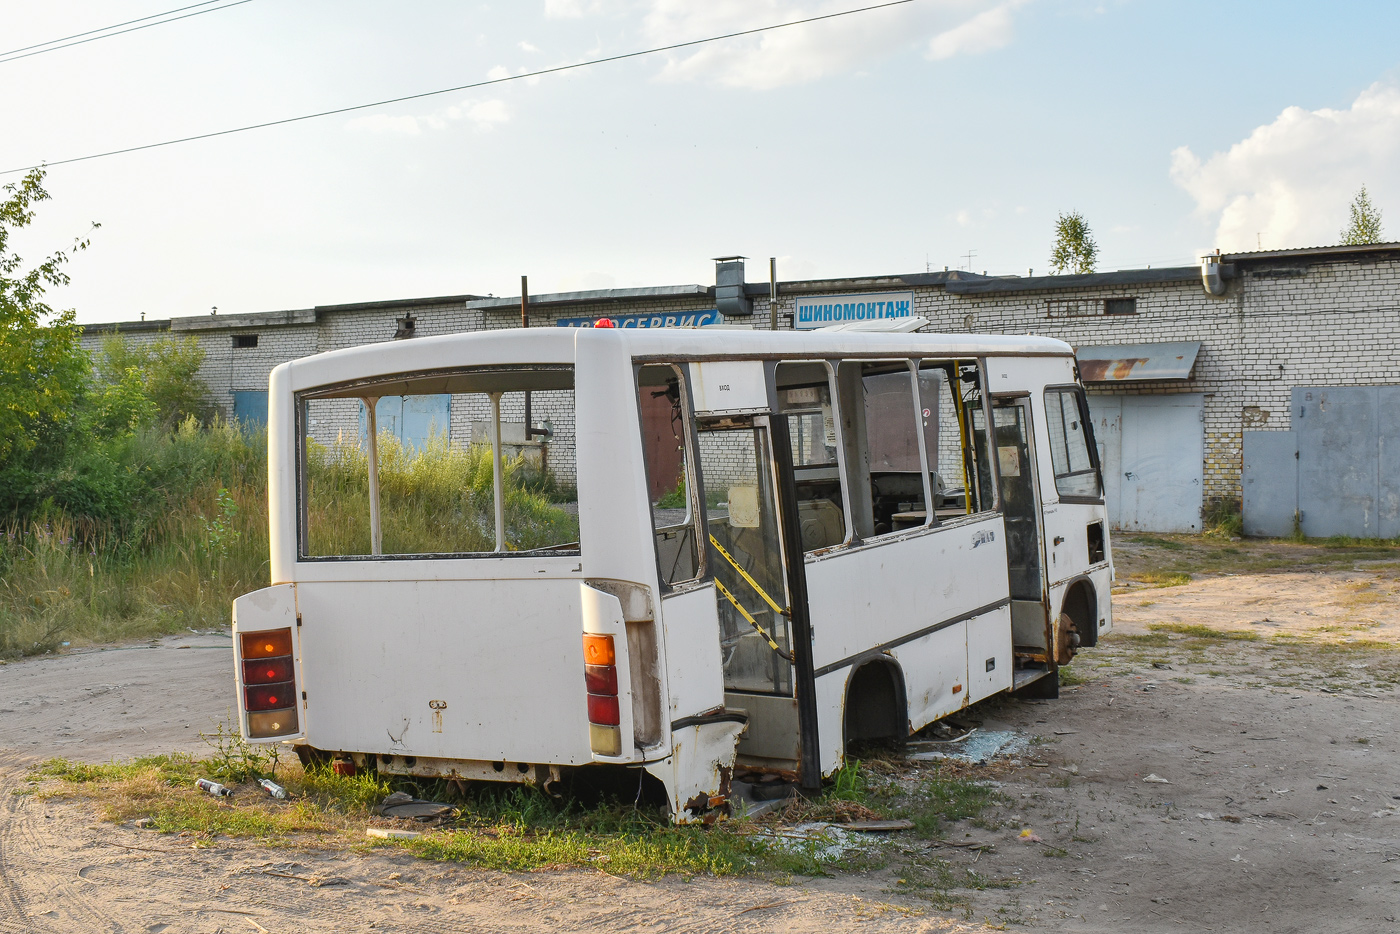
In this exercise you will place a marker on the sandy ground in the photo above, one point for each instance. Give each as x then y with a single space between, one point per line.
1274 815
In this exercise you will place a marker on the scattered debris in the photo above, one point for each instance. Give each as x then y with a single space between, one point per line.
970 747
761 907
1029 836
274 789
1163 666
819 839
879 826
1065 732
1156 779
384 833
402 806
214 788
1072 768
144 823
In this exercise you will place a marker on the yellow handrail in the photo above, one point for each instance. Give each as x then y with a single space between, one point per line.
752 583
752 622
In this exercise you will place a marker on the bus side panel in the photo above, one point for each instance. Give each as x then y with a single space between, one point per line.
467 669
935 673
831 718
989 660
881 593
694 669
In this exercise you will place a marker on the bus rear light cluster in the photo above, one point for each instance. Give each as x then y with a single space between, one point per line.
269 682
600 677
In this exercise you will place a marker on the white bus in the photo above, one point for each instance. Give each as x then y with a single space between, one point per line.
707 550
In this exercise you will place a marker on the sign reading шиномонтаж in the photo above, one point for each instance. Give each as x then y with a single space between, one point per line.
687 319
824 310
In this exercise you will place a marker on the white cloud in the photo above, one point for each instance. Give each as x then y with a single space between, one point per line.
482 115
1289 182
988 30
529 47
798 54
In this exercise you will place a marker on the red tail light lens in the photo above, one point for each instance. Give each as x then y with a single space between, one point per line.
603 709
268 671
600 679
270 644
270 696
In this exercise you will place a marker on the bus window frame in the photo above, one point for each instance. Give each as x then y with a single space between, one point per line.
1085 419
350 389
842 471
699 520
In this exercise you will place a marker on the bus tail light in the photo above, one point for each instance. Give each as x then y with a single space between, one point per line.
269 682
600 677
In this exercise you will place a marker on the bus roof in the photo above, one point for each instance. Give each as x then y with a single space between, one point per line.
547 345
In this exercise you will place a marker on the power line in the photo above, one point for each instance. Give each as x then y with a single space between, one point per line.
463 87
12 56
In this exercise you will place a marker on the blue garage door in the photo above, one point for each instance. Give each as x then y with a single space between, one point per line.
250 408
411 419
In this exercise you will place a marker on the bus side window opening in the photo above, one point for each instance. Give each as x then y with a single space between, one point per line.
804 399
666 439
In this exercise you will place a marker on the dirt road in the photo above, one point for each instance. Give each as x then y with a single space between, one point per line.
1278 809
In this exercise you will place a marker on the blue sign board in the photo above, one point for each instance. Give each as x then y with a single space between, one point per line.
824 310
685 319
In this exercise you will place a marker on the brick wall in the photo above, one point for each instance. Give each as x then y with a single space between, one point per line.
1281 323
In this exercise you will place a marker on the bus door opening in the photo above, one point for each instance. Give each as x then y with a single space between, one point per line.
747 558
1020 503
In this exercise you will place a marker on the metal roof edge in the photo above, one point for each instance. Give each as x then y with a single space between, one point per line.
1082 281
125 327
258 319
1312 252
595 297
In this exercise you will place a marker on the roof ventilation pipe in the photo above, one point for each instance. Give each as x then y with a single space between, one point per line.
1213 273
729 287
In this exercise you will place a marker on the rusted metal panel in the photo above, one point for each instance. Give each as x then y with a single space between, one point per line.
1122 362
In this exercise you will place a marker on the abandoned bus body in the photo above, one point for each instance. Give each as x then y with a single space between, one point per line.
779 542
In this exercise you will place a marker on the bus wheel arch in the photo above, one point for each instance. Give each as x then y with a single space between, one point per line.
1081 606
877 706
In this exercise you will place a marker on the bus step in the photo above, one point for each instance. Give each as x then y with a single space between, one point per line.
1025 676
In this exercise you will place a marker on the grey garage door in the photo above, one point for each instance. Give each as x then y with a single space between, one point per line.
1339 466
1151 448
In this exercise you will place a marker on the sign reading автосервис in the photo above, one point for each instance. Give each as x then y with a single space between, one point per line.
825 310
689 319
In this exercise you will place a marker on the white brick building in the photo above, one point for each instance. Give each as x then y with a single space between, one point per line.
1323 317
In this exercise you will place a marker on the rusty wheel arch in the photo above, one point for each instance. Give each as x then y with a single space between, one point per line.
876 702
1081 604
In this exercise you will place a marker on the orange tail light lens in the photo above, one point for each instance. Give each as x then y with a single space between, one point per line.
269 644
598 650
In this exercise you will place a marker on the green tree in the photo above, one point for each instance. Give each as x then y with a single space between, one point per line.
1075 250
149 384
1365 225
42 364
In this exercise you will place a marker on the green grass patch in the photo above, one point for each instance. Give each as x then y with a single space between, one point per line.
1071 676
1198 631
510 828
1139 638
1160 578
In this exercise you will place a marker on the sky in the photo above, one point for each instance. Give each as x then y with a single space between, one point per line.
929 134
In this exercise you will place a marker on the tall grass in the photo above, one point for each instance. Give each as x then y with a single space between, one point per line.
435 500
160 531
191 536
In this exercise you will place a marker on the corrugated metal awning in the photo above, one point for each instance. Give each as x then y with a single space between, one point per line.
1113 363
